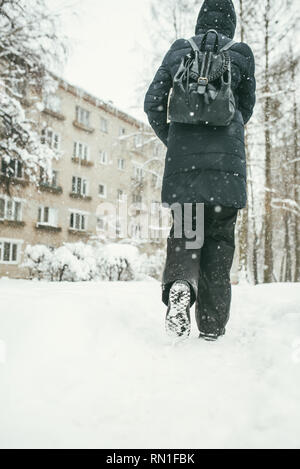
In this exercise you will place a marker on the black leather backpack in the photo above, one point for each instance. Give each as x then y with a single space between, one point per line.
202 91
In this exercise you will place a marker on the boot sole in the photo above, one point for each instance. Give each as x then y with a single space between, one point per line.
178 323
211 337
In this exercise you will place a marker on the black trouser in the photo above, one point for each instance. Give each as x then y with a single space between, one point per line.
207 269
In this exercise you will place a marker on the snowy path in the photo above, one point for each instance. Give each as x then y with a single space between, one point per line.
88 365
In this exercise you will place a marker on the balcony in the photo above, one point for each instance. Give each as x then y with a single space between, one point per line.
12 223
74 195
83 127
52 229
79 233
82 162
44 187
57 115
14 180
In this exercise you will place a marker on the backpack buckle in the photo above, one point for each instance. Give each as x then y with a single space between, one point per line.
202 84
203 81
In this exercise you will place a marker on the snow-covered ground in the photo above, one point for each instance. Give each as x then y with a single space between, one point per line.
88 365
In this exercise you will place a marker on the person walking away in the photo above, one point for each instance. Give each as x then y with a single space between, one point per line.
205 161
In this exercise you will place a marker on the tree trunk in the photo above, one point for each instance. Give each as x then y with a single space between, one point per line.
244 219
296 174
288 270
268 253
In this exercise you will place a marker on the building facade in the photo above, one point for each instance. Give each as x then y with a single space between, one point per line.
105 184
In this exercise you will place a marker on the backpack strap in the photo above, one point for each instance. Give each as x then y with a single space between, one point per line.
196 48
201 74
194 45
228 45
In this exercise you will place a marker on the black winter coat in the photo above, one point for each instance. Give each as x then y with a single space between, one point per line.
204 163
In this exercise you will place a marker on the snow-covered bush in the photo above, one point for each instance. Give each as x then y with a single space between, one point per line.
152 265
65 266
75 263
115 269
115 262
38 260
79 262
71 262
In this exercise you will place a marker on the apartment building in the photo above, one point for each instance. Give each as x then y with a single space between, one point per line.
109 160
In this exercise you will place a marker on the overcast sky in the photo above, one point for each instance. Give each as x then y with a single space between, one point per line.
106 58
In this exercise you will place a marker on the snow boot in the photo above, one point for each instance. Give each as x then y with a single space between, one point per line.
178 320
211 336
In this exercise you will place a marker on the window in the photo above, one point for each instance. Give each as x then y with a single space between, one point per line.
138 173
79 186
155 207
118 228
50 138
9 252
81 151
47 216
10 209
121 195
78 221
103 157
2 209
53 103
13 210
54 178
51 180
13 168
136 231
121 164
82 116
102 191
104 125
101 223
122 131
137 199
138 140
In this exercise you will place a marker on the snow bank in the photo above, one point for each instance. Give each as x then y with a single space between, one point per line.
88 366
